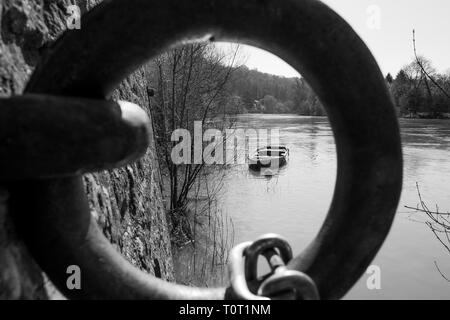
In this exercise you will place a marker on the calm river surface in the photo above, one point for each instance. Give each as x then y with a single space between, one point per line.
295 202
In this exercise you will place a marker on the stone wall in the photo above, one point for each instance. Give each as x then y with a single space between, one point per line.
126 202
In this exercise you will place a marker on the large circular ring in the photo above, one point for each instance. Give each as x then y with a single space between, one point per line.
118 36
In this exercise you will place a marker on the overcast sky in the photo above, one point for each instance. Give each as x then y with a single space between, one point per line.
390 40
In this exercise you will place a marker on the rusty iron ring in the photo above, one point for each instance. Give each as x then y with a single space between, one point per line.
118 36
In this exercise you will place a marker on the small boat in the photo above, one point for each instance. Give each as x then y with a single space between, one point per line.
268 157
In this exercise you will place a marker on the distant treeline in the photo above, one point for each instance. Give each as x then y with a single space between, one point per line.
256 92
417 90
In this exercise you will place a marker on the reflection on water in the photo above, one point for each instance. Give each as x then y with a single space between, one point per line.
295 201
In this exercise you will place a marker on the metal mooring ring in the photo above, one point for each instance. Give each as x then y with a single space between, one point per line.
118 36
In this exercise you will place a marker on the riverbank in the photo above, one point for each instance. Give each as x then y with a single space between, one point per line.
204 235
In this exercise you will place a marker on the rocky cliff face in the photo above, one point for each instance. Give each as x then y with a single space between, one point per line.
126 202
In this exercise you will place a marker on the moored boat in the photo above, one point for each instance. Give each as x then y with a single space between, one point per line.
268 157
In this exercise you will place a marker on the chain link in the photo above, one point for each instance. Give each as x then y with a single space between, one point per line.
280 283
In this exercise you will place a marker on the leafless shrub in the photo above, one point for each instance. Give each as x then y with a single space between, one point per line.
438 222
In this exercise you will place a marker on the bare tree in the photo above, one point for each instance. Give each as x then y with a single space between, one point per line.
426 70
191 85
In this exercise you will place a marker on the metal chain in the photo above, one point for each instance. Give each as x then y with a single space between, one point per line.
280 283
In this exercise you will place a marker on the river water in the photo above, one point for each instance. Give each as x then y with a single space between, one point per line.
294 202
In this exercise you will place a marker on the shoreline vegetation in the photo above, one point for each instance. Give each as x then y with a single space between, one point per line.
418 92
